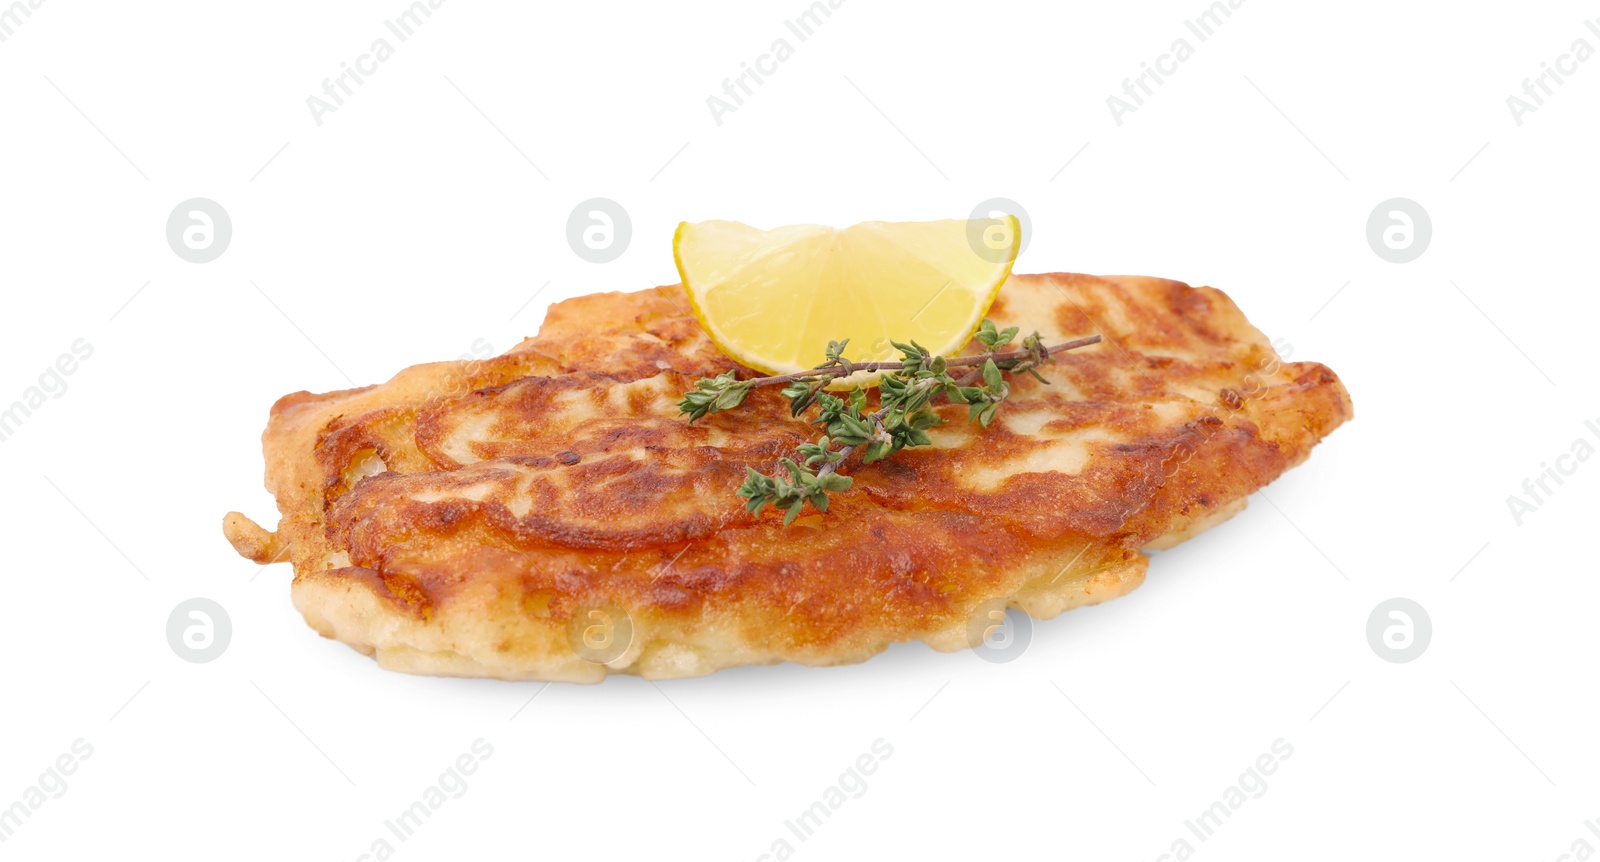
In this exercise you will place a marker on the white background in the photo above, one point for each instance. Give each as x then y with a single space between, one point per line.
423 214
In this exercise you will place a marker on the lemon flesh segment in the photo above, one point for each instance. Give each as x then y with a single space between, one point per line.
773 299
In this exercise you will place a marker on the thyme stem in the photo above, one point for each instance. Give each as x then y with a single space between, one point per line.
959 361
906 411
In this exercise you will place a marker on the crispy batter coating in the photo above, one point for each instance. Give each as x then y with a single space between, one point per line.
547 514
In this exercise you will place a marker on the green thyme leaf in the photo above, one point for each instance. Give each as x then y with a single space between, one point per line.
991 374
906 411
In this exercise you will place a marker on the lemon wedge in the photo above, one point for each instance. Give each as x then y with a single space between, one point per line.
773 299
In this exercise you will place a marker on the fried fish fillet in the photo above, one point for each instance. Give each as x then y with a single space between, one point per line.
547 514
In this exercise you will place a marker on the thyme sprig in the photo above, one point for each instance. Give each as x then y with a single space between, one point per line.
905 411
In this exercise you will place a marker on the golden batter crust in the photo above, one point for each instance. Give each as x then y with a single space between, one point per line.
547 514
